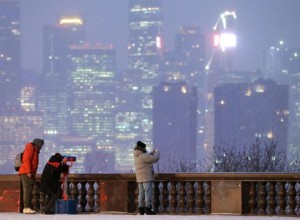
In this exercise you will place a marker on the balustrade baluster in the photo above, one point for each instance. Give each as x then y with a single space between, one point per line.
207 195
262 203
280 198
165 196
91 196
173 197
182 195
155 195
68 188
274 194
191 196
82 200
98 197
74 190
297 208
199 197
290 200
271 198
252 198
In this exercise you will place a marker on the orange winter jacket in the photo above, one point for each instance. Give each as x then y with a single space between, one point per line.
30 160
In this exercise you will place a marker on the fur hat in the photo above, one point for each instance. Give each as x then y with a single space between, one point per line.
38 142
141 144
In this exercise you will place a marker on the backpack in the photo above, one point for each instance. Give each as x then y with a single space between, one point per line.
18 161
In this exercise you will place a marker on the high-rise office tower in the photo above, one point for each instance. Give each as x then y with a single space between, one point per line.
53 99
92 98
10 54
190 47
294 122
174 121
17 128
128 123
282 64
221 60
17 125
145 44
186 64
224 42
281 61
245 112
134 117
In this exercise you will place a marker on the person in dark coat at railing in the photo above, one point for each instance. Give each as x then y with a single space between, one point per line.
143 162
50 181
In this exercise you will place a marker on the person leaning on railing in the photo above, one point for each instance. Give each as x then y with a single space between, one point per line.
52 171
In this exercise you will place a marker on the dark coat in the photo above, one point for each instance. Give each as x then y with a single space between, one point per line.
51 174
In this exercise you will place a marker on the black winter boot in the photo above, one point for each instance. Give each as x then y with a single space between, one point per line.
141 210
149 211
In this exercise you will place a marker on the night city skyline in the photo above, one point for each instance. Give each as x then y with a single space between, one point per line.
94 77
260 24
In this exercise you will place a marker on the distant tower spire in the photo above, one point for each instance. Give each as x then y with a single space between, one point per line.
224 41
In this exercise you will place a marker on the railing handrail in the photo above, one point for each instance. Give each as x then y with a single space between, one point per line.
178 176
173 193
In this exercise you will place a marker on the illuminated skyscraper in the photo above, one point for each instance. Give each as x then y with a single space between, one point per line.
190 47
245 112
134 117
145 44
17 125
224 42
16 130
294 122
222 60
175 121
10 53
280 62
53 99
92 101
186 64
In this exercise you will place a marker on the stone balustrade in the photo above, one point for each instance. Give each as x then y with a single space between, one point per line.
173 193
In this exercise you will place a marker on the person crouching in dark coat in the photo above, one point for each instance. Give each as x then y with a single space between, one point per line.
50 181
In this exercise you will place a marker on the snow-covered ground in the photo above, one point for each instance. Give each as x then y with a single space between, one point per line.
122 216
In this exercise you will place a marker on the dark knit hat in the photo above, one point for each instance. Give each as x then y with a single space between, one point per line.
38 142
141 144
59 156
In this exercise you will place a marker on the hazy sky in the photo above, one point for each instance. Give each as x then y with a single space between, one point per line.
260 24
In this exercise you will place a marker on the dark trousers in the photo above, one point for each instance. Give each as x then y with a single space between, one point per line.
28 185
50 202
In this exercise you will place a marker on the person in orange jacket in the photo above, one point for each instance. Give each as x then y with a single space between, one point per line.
28 169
